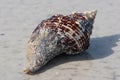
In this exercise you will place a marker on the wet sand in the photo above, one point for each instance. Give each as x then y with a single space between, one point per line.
101 61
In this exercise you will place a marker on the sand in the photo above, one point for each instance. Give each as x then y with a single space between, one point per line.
101 61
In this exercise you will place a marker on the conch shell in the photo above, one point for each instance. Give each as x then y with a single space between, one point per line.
59 34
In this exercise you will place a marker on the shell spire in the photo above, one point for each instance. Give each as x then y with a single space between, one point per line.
90 14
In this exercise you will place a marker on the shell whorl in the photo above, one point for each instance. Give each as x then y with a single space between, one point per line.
68 34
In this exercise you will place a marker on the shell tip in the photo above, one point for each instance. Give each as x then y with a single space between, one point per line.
26 70
91 14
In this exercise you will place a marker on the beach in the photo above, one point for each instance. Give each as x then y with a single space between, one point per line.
101 61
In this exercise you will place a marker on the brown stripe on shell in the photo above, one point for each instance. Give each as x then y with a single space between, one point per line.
59 22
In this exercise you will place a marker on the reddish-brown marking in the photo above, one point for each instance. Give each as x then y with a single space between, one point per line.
73 34
60 21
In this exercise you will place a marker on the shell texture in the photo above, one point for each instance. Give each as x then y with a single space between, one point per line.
68 34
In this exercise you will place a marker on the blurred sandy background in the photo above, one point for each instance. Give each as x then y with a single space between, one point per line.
101 61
